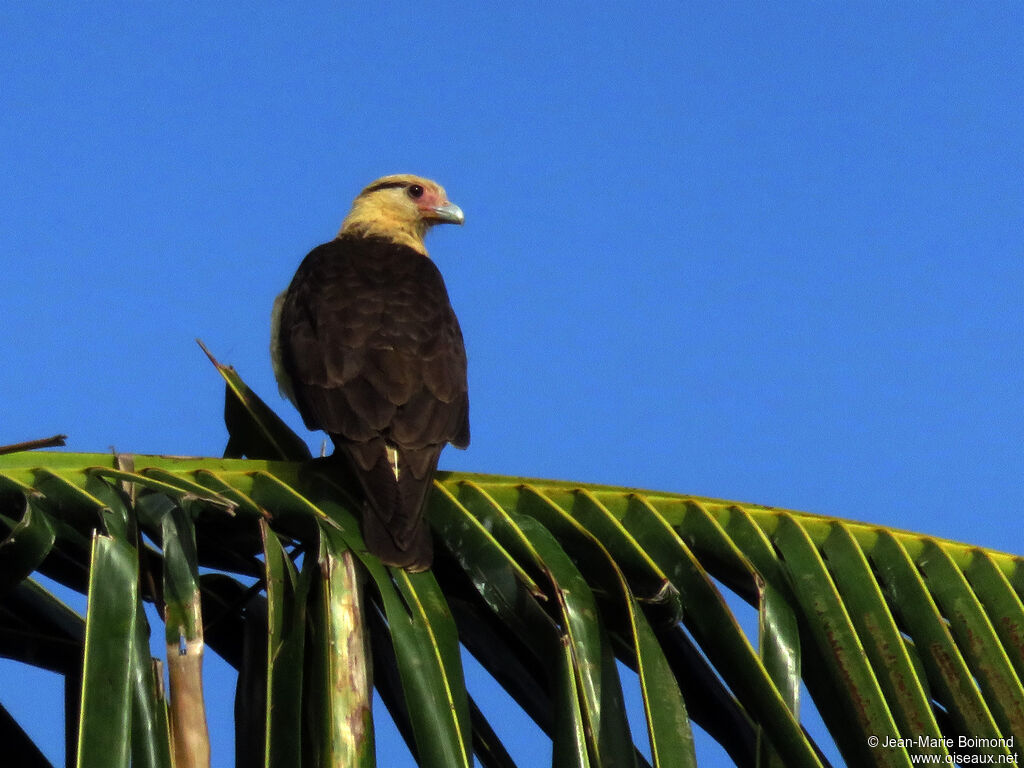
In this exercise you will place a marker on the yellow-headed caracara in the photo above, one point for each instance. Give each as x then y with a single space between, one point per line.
366 344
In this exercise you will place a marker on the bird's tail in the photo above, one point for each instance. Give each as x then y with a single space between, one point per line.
395 483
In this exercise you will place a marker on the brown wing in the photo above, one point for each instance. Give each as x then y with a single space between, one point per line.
372 346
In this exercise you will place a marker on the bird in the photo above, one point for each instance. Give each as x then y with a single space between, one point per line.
365 343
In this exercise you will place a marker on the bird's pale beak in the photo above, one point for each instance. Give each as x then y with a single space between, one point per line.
449 213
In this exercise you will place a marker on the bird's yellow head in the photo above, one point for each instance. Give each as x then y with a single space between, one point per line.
401 208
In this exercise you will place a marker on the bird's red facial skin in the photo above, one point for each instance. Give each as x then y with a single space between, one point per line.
431 198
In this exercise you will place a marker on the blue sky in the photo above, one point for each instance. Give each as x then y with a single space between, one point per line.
764 252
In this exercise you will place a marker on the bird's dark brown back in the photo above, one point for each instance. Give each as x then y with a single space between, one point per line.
373 346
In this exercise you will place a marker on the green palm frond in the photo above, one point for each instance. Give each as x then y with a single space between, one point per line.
551 586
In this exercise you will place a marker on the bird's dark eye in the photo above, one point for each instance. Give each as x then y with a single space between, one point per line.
415 191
